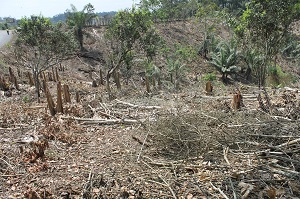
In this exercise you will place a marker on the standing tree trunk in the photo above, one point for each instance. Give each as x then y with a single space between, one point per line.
117 79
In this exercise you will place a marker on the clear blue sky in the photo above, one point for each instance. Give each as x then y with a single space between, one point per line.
48 8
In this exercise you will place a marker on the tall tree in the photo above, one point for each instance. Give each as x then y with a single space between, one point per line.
41 45
78 19
266 24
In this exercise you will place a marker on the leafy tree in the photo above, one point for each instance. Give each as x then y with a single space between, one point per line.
169 9
129 30
266 24
78 19
224 59
207 14
41 45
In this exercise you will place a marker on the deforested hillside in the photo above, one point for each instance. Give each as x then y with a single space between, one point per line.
159 104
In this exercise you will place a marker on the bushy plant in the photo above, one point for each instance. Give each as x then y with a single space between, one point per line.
278 78
224 58
209 77
253 60
292 49
185 52
176 70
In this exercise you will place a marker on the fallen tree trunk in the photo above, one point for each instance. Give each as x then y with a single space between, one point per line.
90 121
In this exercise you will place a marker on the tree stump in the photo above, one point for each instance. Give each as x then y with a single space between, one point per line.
237 101
147 84
94 83
101 77
67 98
53 74
50 76
208 88
15 81
50 101
59 105
31 82
77 97
56 72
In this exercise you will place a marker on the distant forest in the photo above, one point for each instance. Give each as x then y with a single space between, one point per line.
62 17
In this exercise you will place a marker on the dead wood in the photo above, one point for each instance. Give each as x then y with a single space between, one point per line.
53 75
31 82
50 101
89 121
137 106
289 143
77 97
67 97
56 72
147 84
208 88
237 101
59 105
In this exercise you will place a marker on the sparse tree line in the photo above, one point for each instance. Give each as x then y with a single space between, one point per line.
260 33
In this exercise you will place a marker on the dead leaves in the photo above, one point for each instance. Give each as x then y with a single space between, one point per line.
34 193
270 192
36 151
63 130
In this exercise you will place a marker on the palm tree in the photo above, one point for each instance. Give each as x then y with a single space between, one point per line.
78 19
253 59
224 59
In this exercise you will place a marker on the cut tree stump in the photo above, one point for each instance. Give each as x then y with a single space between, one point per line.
77 97
237 101
67 98
208 88
50 101
59 105
31 82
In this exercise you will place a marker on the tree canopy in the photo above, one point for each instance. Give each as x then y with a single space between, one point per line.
41 45
78 19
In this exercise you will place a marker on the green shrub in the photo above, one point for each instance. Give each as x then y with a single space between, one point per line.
26 99
209 77
277 78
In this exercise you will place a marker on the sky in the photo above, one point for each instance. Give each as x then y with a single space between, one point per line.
48 8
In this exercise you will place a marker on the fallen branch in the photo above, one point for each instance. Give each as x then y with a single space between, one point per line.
89 121
137 106
282 159
274 136
218 189
288 143
225 152
166 183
